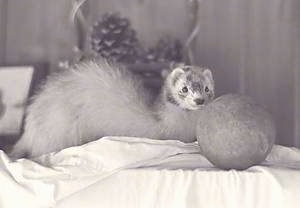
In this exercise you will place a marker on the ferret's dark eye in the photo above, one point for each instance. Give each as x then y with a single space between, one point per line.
206 89
184 89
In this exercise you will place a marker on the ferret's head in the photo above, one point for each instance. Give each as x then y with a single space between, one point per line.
189 87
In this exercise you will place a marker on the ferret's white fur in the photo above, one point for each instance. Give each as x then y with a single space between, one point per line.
97 99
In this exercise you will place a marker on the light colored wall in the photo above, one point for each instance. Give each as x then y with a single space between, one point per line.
252 46
38 31
2 29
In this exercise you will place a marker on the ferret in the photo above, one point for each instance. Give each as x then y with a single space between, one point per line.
96 98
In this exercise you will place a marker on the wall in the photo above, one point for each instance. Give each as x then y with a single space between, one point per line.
2 29
37 31
253 46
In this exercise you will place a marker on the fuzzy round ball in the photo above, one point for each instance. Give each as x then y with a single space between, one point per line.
234 132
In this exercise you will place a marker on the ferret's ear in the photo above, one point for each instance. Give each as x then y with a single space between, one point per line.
177 72
169 69
175 75
174 65
207 74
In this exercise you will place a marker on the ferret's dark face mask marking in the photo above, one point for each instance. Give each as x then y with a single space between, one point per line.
192 87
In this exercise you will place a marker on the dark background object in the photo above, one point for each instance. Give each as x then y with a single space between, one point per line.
150 73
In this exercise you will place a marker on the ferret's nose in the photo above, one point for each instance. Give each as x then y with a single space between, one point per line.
199 101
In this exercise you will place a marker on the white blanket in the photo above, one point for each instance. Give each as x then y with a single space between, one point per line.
143 173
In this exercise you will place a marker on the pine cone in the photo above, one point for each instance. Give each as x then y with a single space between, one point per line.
112 37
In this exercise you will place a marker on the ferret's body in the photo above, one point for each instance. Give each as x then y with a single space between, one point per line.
97 99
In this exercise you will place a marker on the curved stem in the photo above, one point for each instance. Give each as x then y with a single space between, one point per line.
79 22
194 30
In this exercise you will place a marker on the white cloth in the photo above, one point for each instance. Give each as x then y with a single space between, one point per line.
138 172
